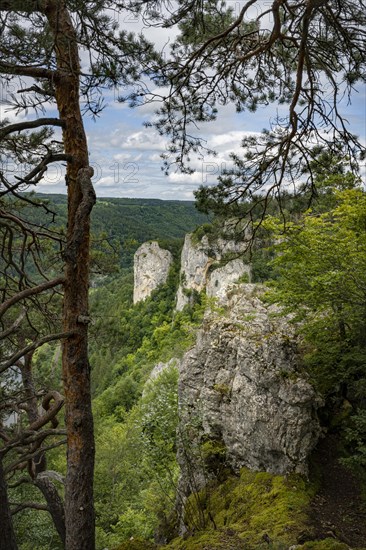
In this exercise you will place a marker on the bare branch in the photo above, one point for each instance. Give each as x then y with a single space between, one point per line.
26 505
31 437
14 327
23 460
52 410
34 345
40 169
20 481
33 291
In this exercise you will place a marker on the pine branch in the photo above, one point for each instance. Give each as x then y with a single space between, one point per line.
29 124
29 292
31 347
28 70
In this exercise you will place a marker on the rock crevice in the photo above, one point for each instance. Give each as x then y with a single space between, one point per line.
210 266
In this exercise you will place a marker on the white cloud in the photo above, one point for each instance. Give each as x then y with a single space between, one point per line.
195 178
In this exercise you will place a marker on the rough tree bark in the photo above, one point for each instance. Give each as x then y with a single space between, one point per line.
7 537
79 509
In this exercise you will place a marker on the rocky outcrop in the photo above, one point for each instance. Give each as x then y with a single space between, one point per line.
207 265
161 367
151 267
241 393
221 278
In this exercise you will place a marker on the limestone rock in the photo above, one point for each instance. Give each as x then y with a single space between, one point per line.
220 279
241 386
151 267
195 263
204 264
161 367
158 369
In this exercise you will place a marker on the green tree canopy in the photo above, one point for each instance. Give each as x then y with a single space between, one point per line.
320 265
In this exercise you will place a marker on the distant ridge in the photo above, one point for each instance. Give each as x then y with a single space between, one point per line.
133 221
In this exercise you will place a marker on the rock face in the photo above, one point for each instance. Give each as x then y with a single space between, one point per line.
241 390
161 367
151 267
203 265
220 279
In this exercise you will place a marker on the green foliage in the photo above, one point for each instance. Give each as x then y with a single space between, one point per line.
200 26
34 529
321 276
206 229
355 435
321 260
262 269
244 278
136 471
47 366
144 334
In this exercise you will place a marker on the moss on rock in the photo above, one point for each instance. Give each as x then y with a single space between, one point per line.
251 511
326 544
136 544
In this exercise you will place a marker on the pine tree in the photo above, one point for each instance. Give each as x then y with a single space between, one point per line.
39 49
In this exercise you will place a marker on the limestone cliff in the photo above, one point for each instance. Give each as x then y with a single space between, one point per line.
240 386
241 389
151 267
205 265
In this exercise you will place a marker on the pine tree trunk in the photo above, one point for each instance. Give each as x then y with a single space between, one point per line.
7 536
79 509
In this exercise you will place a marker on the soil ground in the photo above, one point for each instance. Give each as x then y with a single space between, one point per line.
338 510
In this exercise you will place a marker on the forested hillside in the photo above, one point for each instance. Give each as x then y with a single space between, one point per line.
127 223
315 270
230 413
